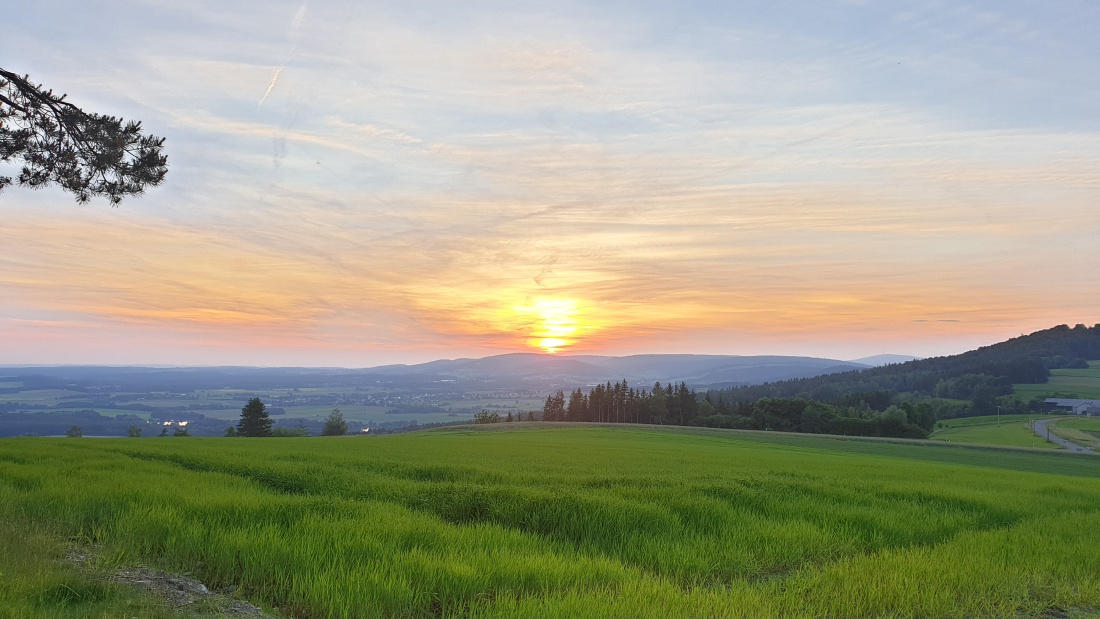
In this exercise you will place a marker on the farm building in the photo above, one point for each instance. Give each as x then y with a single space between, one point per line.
1075 406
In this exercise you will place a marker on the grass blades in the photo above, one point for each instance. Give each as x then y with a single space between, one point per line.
568 522
37 582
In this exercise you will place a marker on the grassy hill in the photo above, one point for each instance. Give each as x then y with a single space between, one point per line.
1008 430
1084 431
978 375
538 521
1077 383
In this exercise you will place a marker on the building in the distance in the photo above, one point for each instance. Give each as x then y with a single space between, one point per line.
1075 406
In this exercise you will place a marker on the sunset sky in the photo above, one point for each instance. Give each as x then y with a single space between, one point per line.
356 183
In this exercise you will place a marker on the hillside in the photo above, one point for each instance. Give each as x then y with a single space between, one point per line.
884 359
698 370
977 375
896 400
526 371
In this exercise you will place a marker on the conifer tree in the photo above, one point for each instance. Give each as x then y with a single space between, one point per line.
577 409
335 424
254 419
554 409
85 153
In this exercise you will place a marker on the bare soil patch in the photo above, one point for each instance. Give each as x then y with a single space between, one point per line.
178 591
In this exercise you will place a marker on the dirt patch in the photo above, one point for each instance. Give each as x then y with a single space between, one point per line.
179 591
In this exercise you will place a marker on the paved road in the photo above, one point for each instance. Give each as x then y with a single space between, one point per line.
1040 428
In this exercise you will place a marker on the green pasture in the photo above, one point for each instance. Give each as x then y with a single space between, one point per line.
107 412
1086 424
231 394
539 520
1084 431
326 390
368 414
1092 371
171 402
48 397
985 420
112 412
1083 383
322 411
234 399
1011 431
501 404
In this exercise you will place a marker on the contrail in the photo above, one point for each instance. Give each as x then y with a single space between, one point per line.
294 25
271 86
298 19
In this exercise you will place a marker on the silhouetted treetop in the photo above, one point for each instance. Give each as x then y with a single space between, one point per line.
84 153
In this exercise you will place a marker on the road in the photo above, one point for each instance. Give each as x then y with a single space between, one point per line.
1040 428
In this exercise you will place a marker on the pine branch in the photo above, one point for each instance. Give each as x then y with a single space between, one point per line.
85 153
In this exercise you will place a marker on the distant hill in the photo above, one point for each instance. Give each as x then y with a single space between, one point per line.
878 360
978 375
1023 359
696 370
517 371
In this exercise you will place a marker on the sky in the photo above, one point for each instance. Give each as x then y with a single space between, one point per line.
361 183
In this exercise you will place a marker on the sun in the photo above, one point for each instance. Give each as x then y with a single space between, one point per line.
552 345
555 323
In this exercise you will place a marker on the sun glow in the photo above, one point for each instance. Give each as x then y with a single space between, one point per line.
552 344
555 323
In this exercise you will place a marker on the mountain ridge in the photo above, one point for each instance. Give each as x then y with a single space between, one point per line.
698 370
525 371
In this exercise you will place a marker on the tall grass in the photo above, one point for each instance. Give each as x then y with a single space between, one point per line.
37 580
580 522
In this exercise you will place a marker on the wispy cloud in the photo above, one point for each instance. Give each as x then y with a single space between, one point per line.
414 179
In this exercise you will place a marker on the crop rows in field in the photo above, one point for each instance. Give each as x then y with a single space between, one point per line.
582 522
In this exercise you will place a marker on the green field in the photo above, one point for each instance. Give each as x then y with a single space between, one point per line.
47 397
231 401
379 406
531 521
1084 431
1010 430
1080 383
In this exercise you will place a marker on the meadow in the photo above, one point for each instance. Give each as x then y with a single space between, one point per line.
1084 431
1008 430
226 405
1077 383
526 520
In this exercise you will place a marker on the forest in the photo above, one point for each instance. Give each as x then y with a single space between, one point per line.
902 400
979 375
678 405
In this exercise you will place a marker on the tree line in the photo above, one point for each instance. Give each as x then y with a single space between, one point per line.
621 403
900 400
676 404
255 421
